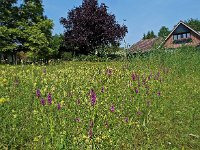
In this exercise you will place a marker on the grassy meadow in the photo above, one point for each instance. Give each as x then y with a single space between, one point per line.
149 102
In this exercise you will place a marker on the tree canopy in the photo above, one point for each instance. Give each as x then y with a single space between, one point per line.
90 26
24 27
194 24
163 32
149 35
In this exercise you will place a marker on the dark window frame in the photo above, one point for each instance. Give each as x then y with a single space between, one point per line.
180 36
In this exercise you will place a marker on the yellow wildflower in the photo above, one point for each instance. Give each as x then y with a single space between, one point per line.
3 100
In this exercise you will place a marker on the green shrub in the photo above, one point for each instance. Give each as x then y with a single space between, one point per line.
66 56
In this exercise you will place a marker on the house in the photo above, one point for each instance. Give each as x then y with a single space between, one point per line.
145 45
182 34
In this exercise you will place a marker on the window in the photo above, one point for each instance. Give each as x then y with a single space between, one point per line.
184 35
188 35
181 36
175 37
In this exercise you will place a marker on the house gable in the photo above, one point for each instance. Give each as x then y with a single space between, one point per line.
182 34
181 29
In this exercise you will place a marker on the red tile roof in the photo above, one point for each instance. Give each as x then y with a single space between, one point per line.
143 45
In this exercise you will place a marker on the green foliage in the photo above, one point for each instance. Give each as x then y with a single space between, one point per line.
163 32
24 28
144 36
109 49
36 40
149 35
163 114
182 41
194 24
67 56
56 44
32 10
8 13
8 38
8 34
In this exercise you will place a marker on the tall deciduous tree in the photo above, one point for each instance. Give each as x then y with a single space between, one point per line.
8 19
90 26
25 28
56 45
163 32
8 12
32 13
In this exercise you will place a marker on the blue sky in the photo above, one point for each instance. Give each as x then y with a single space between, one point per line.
140 15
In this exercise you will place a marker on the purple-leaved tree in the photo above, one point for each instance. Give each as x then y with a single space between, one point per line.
89 26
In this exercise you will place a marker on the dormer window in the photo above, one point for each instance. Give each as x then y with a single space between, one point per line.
181 36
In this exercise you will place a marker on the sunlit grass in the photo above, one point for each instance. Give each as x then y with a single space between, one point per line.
151 102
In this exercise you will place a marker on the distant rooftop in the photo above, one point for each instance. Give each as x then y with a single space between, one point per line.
143 45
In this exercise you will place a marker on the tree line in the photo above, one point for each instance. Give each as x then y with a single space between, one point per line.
89 29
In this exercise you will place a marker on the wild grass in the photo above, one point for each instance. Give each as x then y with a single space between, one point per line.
150 102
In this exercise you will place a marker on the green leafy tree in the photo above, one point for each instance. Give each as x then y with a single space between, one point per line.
163 32
8 17
149 35
109 49
144 36
8 37
31 12
25 28
8 13
36 41
57 45
152 35
194 24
